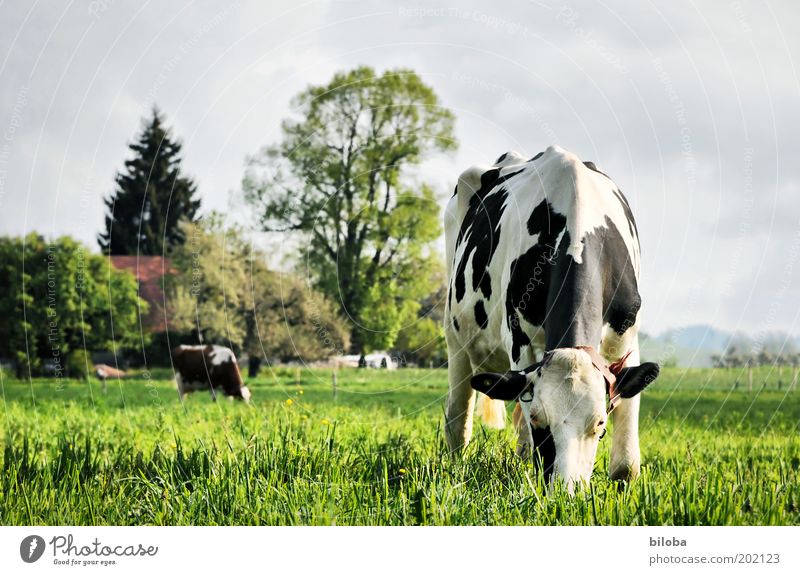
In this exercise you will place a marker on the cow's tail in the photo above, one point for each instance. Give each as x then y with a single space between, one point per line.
491 411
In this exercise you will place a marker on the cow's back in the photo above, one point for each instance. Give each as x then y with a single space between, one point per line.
532 246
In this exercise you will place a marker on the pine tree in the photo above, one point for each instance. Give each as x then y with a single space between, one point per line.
151 196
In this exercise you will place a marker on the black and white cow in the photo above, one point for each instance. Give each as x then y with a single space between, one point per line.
208 367
544 252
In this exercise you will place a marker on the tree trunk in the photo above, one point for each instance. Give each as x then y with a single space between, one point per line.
253 365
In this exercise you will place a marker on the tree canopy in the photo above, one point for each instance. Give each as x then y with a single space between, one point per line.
223 291
341 178
151 197
57 299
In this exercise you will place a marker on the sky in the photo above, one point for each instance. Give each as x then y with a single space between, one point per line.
691 107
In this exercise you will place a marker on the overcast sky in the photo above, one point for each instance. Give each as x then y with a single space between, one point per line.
692 107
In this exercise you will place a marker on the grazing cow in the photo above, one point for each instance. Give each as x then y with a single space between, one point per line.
545 250
208 367
104 371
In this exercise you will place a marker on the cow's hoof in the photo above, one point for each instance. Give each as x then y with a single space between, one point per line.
625 472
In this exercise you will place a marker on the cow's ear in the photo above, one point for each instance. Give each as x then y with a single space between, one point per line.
505 386
632 380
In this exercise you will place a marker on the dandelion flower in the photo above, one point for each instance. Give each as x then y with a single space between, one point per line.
403 471
325 422
289 401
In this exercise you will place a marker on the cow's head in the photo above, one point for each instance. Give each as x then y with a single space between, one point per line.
565 399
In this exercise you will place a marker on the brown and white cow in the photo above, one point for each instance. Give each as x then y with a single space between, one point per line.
211 367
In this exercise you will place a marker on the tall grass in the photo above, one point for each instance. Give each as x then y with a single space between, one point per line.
713 455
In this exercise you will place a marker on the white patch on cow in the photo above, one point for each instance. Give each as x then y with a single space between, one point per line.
569 398
220 355
246 395
577 192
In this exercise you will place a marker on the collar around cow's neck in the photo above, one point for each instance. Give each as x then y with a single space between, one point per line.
609 371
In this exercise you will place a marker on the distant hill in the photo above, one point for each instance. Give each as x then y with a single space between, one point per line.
698 336
689 346
693 345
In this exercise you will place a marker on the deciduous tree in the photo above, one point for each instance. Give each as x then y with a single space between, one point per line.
342 178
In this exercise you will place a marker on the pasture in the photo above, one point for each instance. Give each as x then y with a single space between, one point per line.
375 455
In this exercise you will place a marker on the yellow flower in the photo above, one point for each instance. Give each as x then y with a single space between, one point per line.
300 392
289 402
403 471
325 422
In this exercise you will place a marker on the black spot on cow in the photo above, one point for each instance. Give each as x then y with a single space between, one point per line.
621 299
571 301
536 157
583 296
545 222
455 190
489 178
501 158
528 287
455 324
544 451
480 315
626 207
480 231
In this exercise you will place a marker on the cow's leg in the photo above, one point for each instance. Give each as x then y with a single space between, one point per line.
460 401
524 438
625 456
179 385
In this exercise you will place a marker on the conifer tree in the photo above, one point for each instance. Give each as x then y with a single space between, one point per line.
151 196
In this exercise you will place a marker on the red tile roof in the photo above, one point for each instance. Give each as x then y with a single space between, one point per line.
149 272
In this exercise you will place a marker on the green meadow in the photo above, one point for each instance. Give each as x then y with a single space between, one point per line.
714 453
